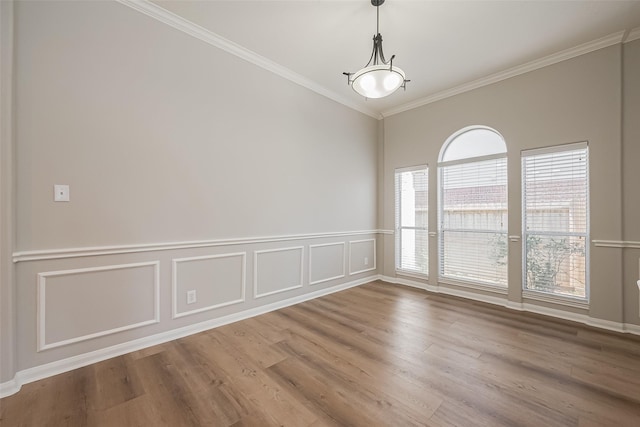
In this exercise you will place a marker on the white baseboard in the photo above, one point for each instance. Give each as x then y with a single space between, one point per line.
502 301
10 387
632 329
553 312
532 308
409 282
54 368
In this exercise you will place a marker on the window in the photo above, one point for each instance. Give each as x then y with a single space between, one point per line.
412 197
555 202
473 207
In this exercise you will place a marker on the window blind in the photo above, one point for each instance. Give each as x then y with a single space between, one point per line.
412 218
473 221
556 220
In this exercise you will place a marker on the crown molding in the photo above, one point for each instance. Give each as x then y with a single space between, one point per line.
156 12
632 35
573 52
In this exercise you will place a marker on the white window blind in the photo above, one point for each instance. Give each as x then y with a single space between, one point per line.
556 220
412 217
473 221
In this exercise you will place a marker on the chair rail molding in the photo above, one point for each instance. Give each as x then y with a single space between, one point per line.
48 254
616 244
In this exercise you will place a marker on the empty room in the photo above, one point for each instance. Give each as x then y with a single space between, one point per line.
265 213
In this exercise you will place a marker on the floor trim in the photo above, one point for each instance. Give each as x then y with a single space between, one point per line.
627 328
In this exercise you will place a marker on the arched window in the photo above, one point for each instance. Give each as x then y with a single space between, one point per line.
473 208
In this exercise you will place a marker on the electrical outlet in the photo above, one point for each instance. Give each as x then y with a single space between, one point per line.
191 296
366 260
60 193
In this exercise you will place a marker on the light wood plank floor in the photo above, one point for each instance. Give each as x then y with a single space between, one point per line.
375 355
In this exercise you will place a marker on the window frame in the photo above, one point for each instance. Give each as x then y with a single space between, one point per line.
478 284
398 227
567 300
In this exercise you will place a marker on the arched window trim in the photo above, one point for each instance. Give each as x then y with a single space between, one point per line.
462 131
478 282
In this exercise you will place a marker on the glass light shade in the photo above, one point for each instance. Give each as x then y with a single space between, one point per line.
377 81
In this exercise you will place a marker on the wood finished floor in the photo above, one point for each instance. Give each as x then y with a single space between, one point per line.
375 355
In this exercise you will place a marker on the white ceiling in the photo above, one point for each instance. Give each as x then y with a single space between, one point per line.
441 45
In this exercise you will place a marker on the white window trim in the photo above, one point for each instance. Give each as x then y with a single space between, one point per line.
411 169
479 285
398 228
555 149
566 300
472 159
455 135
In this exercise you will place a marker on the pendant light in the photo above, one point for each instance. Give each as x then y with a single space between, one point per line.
379 78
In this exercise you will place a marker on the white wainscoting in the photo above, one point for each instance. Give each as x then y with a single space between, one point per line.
56 367
326 262
277 270
219 280
97 302
362 256
78 305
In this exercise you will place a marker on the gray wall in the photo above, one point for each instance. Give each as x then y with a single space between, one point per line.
253 191
575 100
7 232
631 178
145 123
167 142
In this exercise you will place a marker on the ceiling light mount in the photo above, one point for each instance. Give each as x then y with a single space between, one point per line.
379 78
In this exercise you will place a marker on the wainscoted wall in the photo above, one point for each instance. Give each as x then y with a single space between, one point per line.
139 120
217 280
362 256
85 305
326 262
277 270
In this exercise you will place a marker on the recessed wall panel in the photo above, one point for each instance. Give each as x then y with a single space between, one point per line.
277 270
218 281
326 262
77 305
362 256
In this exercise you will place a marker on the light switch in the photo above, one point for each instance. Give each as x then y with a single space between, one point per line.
60 193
